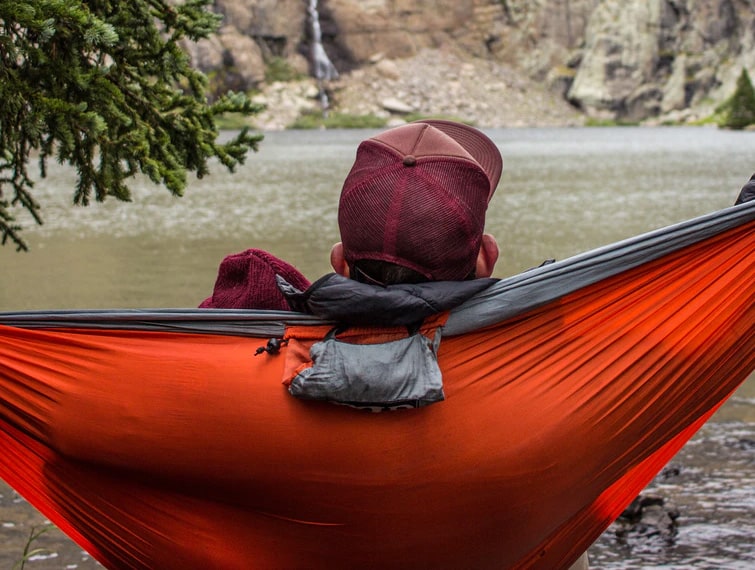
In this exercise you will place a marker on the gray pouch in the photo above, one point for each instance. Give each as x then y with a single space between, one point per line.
401 373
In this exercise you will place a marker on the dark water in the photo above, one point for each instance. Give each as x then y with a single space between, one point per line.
563 191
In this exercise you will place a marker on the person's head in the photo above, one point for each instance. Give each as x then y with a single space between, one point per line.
413 206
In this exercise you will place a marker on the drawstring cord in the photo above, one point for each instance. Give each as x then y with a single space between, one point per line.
273 346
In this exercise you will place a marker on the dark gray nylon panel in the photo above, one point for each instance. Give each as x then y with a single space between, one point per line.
503 300
539 286
260 324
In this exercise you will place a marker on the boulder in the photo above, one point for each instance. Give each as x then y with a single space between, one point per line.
394 105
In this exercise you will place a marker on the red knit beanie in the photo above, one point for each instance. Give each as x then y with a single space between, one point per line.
246 280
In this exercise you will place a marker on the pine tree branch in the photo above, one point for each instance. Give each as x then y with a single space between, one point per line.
105 87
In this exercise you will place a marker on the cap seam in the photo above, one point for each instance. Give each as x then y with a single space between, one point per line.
400 154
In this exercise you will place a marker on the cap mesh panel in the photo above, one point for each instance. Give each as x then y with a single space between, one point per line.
428 217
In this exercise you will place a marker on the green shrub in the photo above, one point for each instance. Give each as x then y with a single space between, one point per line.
318 120
738 111
278 69
596 122
422 116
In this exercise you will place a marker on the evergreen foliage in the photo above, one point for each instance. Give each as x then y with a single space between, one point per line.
738 111
104 85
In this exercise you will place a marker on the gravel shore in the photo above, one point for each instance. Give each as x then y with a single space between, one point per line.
434 82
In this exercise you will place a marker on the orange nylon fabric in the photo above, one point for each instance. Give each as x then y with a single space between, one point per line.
176 450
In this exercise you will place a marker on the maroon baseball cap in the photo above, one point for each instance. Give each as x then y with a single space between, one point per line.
417 196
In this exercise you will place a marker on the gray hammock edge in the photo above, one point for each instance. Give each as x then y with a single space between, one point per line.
503 300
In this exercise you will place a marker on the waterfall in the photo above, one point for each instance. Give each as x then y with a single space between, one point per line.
324 69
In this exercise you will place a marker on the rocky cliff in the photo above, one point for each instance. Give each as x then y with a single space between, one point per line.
496 62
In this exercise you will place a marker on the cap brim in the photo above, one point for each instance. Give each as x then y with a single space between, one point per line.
476 143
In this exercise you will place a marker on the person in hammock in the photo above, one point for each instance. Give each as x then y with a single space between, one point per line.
411 210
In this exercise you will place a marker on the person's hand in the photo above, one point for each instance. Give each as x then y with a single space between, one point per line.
747 192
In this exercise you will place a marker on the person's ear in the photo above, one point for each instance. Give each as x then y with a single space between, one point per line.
338 261
487 257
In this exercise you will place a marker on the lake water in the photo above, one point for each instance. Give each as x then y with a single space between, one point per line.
563 191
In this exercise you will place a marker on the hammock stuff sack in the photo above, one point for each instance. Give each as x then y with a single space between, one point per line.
157 439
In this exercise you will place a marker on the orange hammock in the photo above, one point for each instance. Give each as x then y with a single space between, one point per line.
156 439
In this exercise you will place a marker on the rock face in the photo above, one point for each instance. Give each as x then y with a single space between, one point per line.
629 60
645 58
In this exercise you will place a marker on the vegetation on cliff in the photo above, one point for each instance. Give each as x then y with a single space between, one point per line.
106 88
738 112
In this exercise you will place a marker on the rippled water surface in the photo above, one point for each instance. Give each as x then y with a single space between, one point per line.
563 191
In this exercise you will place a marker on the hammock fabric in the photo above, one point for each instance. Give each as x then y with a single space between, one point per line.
157 439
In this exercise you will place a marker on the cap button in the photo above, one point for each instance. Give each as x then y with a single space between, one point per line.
410 160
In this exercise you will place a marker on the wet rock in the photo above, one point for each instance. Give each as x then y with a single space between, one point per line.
647 517
744 443
669 472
